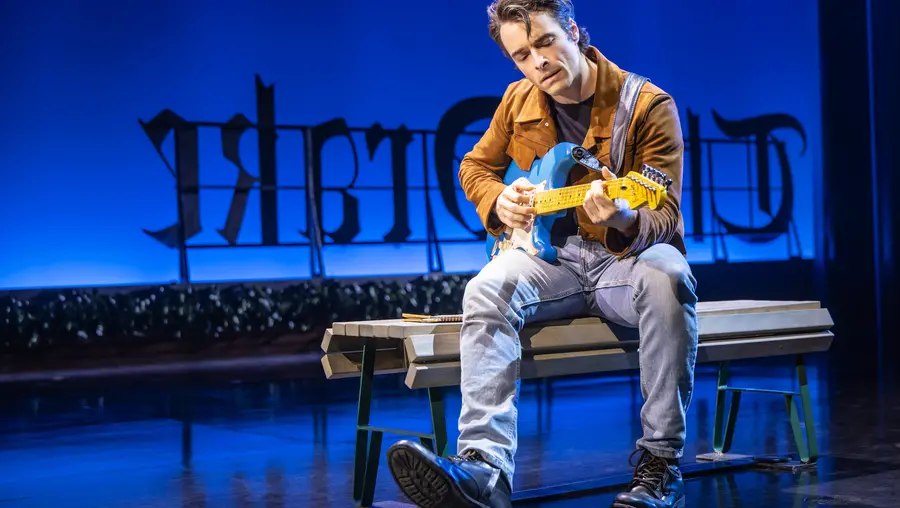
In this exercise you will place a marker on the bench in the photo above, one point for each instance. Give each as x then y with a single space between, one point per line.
427 353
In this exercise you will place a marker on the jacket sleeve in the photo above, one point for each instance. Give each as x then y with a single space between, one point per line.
481 170
660 145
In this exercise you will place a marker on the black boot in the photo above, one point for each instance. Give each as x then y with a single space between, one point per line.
431 481
656 484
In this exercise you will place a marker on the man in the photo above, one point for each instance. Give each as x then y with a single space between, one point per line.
624 265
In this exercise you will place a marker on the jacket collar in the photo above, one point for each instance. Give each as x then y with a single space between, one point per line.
606 96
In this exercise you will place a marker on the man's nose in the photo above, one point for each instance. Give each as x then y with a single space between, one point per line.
540 63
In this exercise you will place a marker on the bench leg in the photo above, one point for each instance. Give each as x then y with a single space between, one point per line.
438 422
807 447
722 436
364 471
723 431
369 438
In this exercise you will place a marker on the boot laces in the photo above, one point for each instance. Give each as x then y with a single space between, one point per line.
466 456
649 472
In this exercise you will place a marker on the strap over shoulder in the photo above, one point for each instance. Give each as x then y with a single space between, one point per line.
628 96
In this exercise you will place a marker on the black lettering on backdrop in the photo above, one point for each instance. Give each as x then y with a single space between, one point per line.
400 139
451 126
266 138
760 128
696 158
349 227
231 140
186 170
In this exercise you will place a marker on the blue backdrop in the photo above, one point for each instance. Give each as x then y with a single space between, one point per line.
87 197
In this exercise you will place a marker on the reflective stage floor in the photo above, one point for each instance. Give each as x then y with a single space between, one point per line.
289 441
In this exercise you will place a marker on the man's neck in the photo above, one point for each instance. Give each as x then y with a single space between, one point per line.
583 86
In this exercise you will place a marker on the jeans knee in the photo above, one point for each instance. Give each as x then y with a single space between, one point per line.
480 289
494 291
477 287
671 280
498 278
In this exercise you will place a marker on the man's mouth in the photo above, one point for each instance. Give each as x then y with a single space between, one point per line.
549 76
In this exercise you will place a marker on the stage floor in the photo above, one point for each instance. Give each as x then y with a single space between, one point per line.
290 442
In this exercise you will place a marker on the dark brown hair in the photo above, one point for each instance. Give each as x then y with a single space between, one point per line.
503 11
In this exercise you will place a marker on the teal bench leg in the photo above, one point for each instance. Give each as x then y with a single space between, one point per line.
438 442
723 431
369 438
722 436
807 446
367 450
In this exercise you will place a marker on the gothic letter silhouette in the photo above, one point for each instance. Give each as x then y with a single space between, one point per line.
349 227
761 128
696 176
451 126
231 140
186 170
400 139
267 136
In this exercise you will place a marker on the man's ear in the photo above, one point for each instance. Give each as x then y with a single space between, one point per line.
574 32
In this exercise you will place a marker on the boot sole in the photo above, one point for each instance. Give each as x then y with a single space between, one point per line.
424 483
678 504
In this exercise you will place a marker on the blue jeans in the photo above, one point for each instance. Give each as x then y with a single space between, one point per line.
653 292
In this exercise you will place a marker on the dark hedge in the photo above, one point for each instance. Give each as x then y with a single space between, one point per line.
212 313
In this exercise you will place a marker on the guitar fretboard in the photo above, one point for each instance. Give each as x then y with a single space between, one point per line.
567 197
560 199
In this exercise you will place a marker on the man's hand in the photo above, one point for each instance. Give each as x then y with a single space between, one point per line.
604 211
512 207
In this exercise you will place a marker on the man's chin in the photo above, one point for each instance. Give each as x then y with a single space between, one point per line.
552 88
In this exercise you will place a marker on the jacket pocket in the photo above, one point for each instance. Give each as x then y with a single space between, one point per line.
522 154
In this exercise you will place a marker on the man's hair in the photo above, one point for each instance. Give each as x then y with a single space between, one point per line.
503 11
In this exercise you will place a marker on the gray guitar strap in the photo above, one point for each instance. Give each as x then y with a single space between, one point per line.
624 111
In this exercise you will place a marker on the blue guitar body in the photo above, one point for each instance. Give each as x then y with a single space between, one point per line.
549 172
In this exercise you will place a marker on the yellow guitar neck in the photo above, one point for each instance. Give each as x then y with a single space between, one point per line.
560 199
550 201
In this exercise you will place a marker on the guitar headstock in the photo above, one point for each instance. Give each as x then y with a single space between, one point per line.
656 176
649 187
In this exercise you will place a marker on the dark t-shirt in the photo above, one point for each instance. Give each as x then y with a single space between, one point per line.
572 123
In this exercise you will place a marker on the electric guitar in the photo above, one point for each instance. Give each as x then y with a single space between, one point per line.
552 197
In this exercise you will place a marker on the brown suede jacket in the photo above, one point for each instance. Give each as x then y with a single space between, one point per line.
522 130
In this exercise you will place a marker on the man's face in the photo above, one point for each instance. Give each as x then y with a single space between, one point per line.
549 58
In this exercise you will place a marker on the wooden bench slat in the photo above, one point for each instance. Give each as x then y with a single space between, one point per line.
586 362
595 334
400 329
347 365
332 343
769 323
753 306
373 328
442 347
